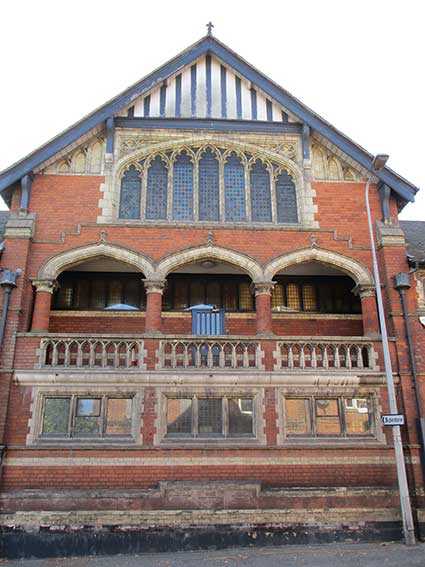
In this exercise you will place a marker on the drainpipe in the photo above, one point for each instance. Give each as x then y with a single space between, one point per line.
7 282
401 284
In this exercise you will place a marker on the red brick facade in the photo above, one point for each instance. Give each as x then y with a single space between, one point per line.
266 356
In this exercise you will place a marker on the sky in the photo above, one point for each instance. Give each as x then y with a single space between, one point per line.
359 64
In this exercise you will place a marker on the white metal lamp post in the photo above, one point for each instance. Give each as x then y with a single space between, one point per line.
406 510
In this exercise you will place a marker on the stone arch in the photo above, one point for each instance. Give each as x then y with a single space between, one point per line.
245 263
356 270
240 147
51 269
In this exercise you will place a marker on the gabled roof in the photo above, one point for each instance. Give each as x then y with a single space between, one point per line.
206 45
415 238
3 220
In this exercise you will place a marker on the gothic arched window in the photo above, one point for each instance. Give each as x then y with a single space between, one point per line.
183 188
234 189
209 187
156 190
130 194
261 204
286 199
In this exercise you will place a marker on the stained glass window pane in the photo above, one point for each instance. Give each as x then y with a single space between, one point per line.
327 417
56 416
298 417
241 411
230 295
180 294
213 293
261 206
118 416
183 188
156 191
209 191
87 417
63 299
293 296
88 407
210 416
234 189
114 292
309 297
130 194
286 199
357 416
197 292
246 299
179 416
98 294
82 294
278 296
132 290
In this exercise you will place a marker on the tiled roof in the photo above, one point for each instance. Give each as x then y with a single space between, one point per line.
3 220
415 237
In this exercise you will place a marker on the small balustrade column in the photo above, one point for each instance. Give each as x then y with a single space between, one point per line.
154 290
43 301
263 307
369 311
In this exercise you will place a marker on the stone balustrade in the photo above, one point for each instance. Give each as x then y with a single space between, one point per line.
99 352
209 353
326 355
203 353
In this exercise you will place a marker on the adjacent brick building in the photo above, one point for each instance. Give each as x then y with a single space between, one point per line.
193 339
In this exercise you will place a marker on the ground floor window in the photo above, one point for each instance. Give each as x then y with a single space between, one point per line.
210 417
83 416
328 417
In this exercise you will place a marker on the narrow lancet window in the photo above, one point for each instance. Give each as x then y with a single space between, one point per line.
261 205
286 199
130 194
234 189
209 187
156 191
183 188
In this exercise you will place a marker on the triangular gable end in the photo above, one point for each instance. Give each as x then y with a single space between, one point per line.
207 46
208 88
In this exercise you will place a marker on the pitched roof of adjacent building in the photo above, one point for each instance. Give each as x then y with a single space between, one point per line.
3 220
207 45
415 238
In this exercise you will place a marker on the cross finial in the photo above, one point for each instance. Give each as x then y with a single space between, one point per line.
210 26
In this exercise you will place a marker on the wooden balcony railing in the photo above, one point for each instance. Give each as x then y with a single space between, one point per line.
100 352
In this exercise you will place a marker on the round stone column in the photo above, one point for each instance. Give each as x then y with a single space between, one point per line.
154 290
43 301
263 307
369 311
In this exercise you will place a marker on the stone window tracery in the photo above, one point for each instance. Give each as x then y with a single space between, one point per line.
208 184
130 194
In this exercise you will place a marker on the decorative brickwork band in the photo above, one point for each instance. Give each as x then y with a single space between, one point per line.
263 307
43 301
154 291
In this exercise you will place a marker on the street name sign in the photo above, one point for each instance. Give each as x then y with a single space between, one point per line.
393 419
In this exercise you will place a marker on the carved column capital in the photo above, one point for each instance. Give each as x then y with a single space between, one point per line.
366 290
263 288
155 286
49 286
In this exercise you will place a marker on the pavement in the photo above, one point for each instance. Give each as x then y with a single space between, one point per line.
325 555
